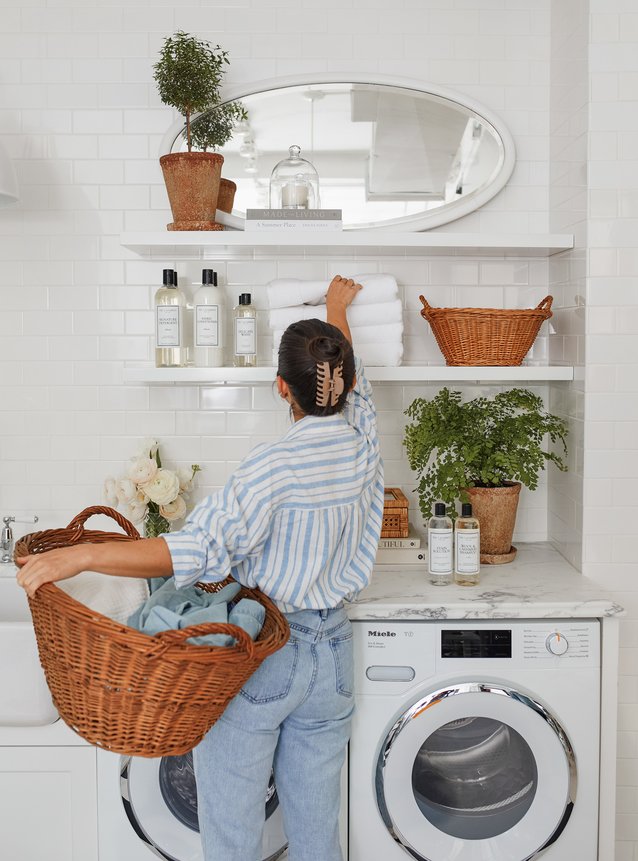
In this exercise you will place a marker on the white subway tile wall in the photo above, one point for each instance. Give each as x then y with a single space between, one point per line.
594 88
83 123
611 321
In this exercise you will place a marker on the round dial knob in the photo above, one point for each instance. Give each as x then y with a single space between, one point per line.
556 643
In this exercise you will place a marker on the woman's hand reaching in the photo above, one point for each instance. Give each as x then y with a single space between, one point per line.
342 291
340 294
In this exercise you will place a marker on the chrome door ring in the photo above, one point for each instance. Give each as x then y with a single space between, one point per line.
472 688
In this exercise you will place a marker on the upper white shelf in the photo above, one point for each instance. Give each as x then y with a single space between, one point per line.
455 244
404 374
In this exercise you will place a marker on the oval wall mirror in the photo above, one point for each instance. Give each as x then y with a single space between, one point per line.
388 153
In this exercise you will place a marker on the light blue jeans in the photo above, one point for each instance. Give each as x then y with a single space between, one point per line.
294 714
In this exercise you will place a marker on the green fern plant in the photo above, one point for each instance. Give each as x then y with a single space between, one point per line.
485 442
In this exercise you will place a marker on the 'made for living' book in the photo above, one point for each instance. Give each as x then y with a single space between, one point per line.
294 219
293 215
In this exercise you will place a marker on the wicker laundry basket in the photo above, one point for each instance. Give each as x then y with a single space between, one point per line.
130 692
485 336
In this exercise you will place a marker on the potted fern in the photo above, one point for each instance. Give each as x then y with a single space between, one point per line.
188 75
482 451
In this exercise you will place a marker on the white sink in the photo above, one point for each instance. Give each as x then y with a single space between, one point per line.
24 696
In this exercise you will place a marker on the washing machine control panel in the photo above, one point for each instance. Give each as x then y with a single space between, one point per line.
570 641
391 656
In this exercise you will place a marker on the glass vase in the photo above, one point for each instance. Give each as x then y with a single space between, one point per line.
155 524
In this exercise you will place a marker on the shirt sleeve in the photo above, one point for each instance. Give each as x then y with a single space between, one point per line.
222 531
360 410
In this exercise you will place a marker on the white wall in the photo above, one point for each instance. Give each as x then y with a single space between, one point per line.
611 400
594 194
83 122
79 113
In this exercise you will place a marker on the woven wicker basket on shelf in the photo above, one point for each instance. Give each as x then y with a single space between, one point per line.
395 514
127 691
485 336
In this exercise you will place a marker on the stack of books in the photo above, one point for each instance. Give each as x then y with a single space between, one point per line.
294 219
398 551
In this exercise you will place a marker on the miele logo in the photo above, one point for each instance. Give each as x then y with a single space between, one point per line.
382 633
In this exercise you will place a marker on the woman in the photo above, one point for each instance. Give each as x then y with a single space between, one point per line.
299 519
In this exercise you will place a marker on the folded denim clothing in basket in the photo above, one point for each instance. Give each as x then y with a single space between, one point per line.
169 608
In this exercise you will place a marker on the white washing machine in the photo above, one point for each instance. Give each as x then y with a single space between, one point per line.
475 741
148 808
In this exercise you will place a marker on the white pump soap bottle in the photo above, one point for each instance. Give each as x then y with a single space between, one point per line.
208 322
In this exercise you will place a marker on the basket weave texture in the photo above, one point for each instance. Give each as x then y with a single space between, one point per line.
485 336
395 514
126 691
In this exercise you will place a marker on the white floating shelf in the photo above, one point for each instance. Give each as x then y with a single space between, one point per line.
402 374
455 244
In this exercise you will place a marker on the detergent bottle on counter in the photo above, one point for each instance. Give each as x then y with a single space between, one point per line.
467 548
440 556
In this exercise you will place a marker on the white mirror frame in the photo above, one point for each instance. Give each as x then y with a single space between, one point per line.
420 221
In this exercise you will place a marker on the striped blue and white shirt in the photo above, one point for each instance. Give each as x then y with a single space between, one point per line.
300 518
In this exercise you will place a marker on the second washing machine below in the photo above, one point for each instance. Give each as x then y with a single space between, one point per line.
148 808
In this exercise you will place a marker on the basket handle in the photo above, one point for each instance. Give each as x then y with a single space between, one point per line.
425 311
546 304
178 637
80 519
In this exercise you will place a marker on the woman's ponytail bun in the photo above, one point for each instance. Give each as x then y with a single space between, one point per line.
327 349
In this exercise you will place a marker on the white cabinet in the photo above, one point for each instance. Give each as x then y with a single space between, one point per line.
48 802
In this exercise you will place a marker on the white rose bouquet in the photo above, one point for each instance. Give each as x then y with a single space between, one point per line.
149 492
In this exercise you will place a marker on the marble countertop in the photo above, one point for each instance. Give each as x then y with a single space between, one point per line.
538 584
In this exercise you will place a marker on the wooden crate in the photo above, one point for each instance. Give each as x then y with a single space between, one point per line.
395 514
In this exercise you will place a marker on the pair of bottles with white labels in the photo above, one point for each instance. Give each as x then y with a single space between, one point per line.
454 553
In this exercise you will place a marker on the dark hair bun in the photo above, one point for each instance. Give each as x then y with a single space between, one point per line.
326 349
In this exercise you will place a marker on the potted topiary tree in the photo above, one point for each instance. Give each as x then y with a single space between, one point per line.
484 450
188 75
211 130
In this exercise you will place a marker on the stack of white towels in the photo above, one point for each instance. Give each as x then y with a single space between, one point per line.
375 315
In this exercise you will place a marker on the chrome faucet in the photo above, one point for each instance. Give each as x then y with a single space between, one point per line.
6 537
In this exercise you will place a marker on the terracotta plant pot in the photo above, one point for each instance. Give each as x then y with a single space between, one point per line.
227 189
495 508
192 184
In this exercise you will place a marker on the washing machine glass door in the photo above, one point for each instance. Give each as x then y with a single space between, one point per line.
476 771
160 800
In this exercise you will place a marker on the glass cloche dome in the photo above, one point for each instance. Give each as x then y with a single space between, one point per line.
294 183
